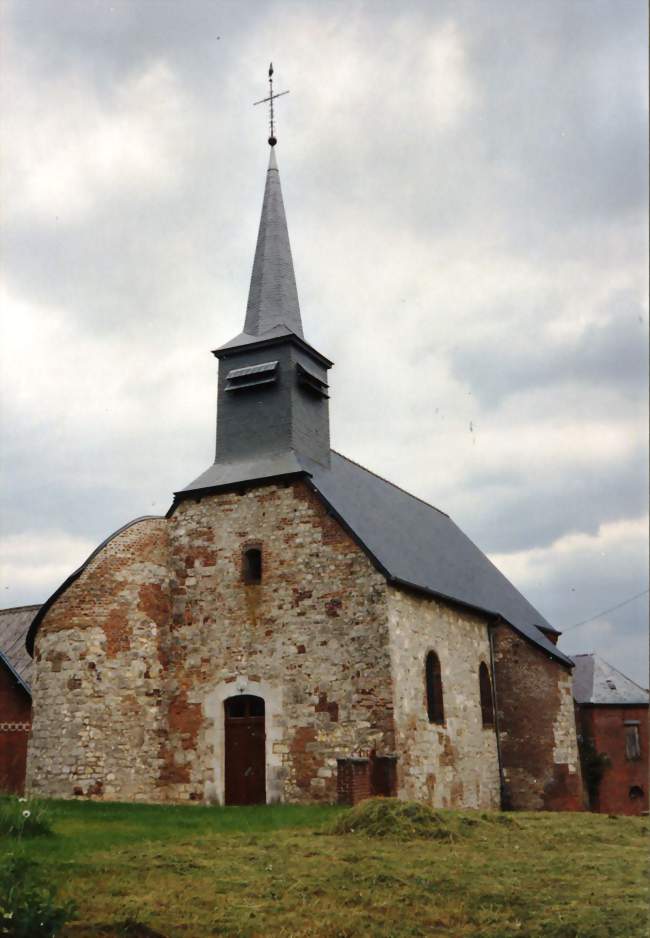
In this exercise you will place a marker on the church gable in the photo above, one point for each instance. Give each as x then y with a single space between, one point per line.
307 636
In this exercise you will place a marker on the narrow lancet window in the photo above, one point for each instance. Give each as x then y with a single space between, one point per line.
252 565
485 687
435 707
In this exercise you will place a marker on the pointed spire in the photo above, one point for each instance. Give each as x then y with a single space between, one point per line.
273 297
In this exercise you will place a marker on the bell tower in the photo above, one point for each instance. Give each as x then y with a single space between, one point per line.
273 392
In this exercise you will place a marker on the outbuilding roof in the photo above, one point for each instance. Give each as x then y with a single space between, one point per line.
597 682
14 626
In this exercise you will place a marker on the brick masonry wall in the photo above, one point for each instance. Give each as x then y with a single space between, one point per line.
97 689
15 718
537 726
354 781
311 639
606 726
455 764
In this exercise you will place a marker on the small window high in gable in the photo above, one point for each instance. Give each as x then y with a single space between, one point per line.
252 565
433 677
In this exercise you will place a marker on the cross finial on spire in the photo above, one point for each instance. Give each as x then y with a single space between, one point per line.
271 98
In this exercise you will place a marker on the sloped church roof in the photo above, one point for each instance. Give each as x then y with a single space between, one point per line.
412 543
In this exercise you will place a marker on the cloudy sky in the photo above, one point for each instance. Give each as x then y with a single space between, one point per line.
466 189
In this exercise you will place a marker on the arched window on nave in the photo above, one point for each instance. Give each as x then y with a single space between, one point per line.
485 688
433 678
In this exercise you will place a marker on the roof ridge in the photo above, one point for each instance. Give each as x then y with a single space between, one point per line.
392 484
20 608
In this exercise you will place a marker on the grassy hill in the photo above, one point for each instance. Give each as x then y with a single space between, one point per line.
279 871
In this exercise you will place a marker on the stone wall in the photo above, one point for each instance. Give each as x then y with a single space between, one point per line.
97 685
454 764
537 726
311 639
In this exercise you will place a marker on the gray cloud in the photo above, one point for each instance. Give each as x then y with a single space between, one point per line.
511 514
608 352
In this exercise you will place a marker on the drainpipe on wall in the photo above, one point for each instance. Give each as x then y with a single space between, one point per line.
504 792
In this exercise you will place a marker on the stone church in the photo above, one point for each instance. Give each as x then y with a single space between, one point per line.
296 628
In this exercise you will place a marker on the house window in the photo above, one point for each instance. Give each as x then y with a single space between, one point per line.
435 707
485 688
632 741
636 792
252 565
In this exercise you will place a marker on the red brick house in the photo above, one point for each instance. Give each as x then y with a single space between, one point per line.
15 696
612 718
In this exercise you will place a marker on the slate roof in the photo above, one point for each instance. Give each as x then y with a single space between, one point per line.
597 682
224 474
410 541
14 626
273 308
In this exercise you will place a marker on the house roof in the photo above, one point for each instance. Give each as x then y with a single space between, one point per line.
14 626
597 682
410 541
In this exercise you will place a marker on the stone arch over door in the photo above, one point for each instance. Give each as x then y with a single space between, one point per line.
214 708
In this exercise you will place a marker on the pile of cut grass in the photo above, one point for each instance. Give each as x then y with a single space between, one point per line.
405 820
388 817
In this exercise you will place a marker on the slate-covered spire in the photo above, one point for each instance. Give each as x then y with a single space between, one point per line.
273 297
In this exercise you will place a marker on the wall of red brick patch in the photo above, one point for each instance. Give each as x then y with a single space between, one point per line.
353 780
605 725
15 719
98 712
537 726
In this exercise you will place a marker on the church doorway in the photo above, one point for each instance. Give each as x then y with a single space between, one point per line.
245 750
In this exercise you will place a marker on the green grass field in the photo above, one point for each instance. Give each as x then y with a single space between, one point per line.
275 871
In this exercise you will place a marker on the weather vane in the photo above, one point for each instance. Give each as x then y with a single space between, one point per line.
271 98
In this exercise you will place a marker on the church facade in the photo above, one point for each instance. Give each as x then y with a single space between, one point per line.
296 628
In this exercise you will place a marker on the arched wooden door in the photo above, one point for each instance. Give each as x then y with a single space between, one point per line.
245 750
